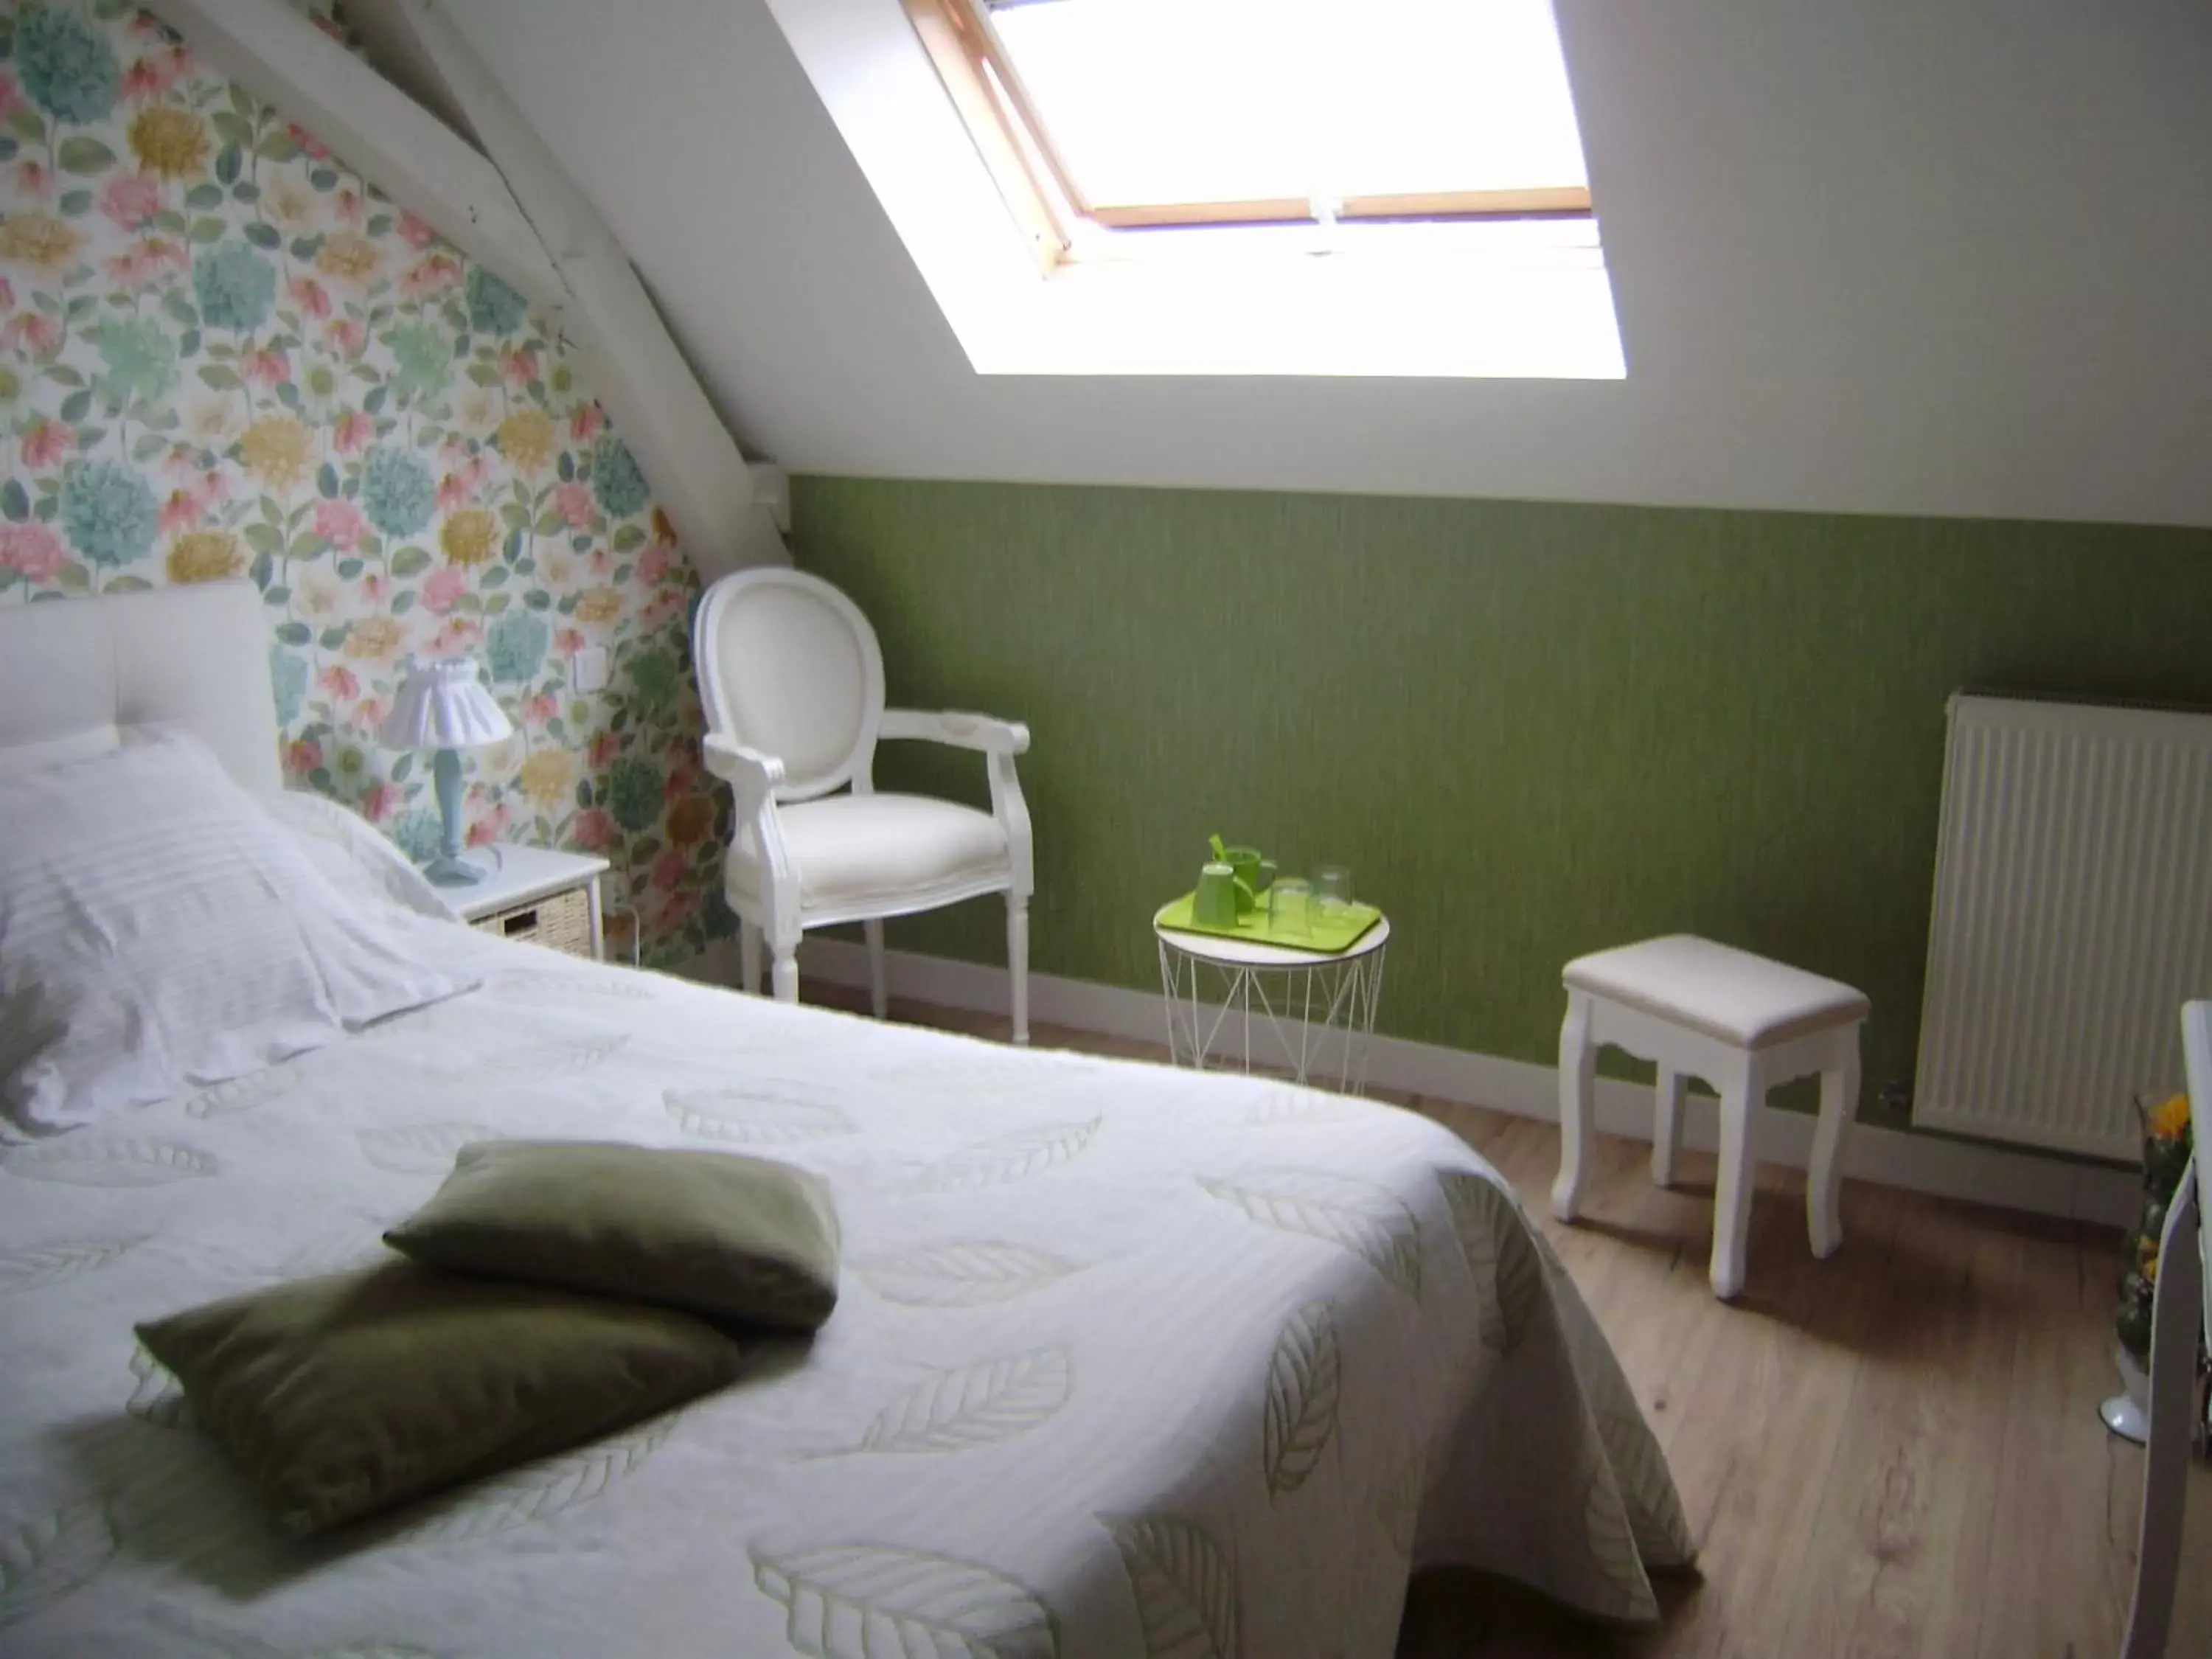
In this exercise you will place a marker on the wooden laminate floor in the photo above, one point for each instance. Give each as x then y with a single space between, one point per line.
1893 1452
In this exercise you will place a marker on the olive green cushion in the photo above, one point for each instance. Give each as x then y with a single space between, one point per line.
343 1396
733 1239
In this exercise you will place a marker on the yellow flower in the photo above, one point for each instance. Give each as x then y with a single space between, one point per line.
205 556
547 777
470 536
601 605
2170 1119
375 639
37 239
278 450
169 141
349 256
526 438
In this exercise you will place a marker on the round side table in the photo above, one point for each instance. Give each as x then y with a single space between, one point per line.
1303 1012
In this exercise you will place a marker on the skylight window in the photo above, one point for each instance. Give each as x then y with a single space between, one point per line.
1099 117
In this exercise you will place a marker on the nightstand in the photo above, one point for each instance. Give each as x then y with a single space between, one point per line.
529 893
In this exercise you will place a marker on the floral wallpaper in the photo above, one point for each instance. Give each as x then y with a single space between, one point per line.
223 353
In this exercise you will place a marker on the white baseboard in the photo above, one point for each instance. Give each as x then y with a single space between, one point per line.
1890 1158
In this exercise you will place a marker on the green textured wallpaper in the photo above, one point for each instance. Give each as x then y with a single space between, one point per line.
1531 730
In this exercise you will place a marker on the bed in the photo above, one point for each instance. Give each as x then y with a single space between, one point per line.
1127 1361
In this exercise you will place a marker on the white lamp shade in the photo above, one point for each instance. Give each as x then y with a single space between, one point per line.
442 705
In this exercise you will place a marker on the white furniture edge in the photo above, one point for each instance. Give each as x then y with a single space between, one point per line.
494 892
545 872
1226 952
2179 1311
78 676
1944 1168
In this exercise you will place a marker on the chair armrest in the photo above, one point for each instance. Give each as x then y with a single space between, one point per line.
957 728
752 773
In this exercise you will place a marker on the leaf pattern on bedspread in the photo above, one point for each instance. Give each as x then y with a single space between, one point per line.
961 1275
1358 1217
864 1601
764 1117
1647 1487
1495 1239
549 1060
1398 1507
540 1490
1184 1585
1618 1584
243 1094
79 1160
52 1557
156 1397
420 1148
1014 1156
1304 1377
970 1406
40 1265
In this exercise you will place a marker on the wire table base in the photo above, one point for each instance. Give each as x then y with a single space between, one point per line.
1310 1016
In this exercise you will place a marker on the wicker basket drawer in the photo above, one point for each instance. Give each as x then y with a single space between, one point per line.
562 922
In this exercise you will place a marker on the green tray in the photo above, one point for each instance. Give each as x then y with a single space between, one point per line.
1328 938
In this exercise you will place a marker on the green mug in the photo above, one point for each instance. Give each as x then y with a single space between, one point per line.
1255 875
1217 902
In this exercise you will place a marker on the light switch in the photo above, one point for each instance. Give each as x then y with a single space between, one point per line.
590 668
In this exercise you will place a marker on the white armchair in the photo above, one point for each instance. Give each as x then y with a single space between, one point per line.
793 681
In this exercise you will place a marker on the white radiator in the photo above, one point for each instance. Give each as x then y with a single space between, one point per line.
2073 916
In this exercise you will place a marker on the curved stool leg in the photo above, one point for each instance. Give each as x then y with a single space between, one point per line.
1667 1134
1839 1099
1740 1094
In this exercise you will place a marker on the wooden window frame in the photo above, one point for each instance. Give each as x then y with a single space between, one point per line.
1018 150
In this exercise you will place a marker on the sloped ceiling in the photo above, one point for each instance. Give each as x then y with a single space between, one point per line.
1953 258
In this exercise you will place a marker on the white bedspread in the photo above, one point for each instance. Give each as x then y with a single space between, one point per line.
1127 1361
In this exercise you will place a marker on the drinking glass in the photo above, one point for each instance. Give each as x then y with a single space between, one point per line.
1290 908
1333 890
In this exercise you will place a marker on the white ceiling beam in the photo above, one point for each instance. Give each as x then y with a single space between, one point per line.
282 59
518 214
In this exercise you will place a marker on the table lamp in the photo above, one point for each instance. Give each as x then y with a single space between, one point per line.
441 706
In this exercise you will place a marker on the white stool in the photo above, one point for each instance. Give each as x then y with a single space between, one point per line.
1741 1023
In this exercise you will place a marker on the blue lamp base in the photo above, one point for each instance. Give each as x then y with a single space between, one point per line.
448 869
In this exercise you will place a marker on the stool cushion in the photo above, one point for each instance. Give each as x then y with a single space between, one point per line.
1727 994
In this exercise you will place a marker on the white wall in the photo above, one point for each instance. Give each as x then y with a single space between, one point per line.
1953 258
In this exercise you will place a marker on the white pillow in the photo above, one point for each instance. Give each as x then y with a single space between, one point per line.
355 857
159 931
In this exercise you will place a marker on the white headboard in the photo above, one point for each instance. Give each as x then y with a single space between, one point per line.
75 675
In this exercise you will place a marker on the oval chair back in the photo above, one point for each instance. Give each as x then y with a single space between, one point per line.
788 666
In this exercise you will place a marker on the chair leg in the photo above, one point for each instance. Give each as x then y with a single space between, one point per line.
1577 1077
1667 1132
1017 965
880 995
783 977
1739 1174
1839 1099
749 949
